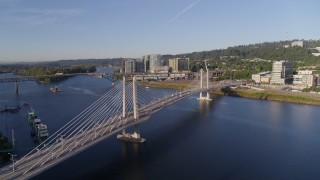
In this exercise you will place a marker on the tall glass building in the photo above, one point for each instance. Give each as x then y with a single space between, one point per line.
151 62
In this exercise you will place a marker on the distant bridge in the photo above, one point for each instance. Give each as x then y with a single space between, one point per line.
35 78
18 79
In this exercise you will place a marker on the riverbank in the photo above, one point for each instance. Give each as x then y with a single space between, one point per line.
271 95
182 84
4 145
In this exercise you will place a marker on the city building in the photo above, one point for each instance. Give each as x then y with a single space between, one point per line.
286 46
161 69
139 66
129 66
318 53
178 64
297 43
146 63
263 77
305 78
173 65
154 62
151 62
281 72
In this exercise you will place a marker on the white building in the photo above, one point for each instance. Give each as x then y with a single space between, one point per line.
257 77
154 62
129 66
161 69
179 64
297 43
151 62
281 72
317 54
305 78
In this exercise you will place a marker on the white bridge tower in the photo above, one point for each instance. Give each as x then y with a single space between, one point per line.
206 98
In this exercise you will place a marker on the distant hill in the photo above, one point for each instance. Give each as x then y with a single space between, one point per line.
267 50
229 58
78 62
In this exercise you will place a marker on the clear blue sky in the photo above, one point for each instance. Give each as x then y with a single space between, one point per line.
40 30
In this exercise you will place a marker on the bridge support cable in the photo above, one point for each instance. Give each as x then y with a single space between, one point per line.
89 117
98 126
53 148
102 115
63 129
45 160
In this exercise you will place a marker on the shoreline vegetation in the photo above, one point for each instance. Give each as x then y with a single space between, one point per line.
4 145
48 74
271 95
181 84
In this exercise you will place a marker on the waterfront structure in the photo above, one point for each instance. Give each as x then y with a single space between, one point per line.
256 78
306 78
129 66
179 64
161 69
151 62
173 65
265 79
152 77
281 72
146 63
262 77
297 43
139 65
154 62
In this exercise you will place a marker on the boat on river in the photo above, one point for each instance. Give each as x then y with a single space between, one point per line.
55 89
128 137
38 129
10 109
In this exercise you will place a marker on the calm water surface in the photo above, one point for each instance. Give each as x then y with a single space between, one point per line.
228 138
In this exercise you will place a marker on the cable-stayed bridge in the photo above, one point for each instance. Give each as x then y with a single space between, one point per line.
124 105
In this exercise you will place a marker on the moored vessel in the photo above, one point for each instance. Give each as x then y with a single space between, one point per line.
55 89
130 137
39 130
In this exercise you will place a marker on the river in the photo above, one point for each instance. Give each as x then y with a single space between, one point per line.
228 138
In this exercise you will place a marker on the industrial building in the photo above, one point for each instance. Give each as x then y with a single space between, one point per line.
282 72
305 79
263 77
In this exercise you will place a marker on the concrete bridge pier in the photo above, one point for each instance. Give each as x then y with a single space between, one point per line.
17 87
